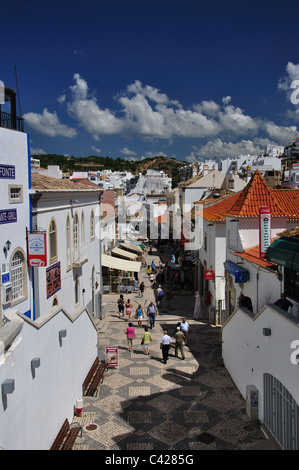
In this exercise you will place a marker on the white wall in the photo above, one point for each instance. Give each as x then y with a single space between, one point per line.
14 152
57 205
248 354
33 414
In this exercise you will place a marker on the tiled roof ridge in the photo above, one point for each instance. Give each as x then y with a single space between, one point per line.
247 202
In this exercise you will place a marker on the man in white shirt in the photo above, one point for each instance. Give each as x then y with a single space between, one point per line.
185 328
165 345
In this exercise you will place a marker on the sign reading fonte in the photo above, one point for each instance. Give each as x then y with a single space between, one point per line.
265 229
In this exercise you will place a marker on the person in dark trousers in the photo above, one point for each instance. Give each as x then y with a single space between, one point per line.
283 302
121 305
179 342
165 345
152 312
142 287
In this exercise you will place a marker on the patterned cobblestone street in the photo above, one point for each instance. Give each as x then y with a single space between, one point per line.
144 404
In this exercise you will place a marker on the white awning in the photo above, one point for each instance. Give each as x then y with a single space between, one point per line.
123 254
121 264
131 247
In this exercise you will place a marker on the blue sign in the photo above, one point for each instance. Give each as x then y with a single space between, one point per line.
8 216
240 273
5 277
7 171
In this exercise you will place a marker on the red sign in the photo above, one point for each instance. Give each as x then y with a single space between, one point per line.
264 229
37 249
208 275
112 356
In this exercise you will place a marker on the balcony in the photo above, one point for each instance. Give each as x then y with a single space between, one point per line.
79 256
10 121
8 110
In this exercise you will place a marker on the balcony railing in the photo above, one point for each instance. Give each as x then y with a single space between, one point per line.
10 121
79 255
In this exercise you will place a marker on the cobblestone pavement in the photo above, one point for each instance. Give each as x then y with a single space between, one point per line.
185 405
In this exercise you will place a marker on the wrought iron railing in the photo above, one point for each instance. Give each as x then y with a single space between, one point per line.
10 121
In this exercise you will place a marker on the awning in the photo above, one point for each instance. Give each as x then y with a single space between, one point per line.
131 247
120 264
239 272
123 254
284 252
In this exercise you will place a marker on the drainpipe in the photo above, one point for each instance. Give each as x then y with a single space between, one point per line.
257 289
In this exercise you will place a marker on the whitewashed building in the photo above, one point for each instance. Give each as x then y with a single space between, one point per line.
14 212
69 213
231 227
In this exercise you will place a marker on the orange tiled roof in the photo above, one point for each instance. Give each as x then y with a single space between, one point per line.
253 255
246 203
43 182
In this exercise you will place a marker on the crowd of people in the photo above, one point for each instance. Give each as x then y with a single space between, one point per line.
179 335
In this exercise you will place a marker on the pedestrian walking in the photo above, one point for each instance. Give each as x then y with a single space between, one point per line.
165 345
148 270
185 328
160 295
152 312
130 332
142 288
179 342
128 307
146 339
152 279
168 296
121 305
139 315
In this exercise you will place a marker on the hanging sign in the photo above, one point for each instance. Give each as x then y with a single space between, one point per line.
53 279
37 249
264 229
208 275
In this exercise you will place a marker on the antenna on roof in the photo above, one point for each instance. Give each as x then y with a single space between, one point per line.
18 91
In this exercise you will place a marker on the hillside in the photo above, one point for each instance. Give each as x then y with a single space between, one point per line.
69 164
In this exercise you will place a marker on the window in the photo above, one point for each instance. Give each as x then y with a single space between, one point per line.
82 229
76 291
17 269
92 228
68 242
53 241
15 193
75 233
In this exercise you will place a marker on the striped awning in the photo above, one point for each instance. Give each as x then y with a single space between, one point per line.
120 264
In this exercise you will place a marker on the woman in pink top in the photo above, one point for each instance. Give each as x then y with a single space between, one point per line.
128 309
130 332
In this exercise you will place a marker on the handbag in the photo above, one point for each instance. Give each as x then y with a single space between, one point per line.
142 341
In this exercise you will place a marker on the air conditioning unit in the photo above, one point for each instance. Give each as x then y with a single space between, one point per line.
6 293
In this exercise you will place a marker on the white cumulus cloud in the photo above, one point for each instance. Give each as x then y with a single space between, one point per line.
48 124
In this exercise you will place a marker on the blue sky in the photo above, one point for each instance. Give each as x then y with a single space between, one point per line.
131 79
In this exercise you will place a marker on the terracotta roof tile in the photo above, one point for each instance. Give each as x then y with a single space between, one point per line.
42 182
253 255
246 203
